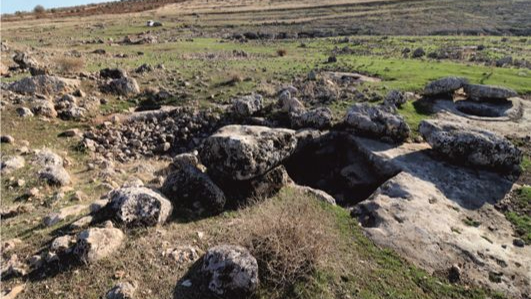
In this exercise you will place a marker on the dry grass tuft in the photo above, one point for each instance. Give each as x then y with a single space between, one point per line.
233 79
289 238
282 52
69 65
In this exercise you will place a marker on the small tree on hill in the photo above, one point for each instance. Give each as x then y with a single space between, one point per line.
39 10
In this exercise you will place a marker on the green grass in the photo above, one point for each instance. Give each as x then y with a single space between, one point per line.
382 280
471 222
413 116
525 166
522 220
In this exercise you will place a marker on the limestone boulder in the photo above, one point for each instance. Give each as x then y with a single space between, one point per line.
193 191
444 86
43 84
95 244
470 145
377 121
245 152
139 206
231 271
248 105
477 92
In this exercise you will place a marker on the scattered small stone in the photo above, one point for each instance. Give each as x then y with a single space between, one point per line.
82 222
71 133
95 244
231 271
454 274
7 139
518 243
122 290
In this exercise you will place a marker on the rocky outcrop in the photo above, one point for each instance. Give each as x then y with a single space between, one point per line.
55 175
318 118
377 121
43 108
479 93
10 164
230 271
511 109
46 157
395 98
473 146
248 105
25 61
24 112
287 101
43 84
445 86
123 86
238 192
192 191
115 73
147 133
95 244
136 206
436 215
122 290
245 152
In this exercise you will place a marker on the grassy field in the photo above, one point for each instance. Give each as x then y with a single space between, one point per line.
198 64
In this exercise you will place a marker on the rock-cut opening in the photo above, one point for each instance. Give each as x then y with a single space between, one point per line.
334 164
496 109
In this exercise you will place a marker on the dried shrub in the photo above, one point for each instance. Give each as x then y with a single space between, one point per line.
282 52
69 65
289 238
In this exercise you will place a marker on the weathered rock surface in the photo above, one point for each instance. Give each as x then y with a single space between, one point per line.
248 105
95 244
43 84
376 121
318 118
231 271
478 92
420 213
183 254
123 86
24 112
43 108
184 159
7 139
61 244
55 175
245 152
445 86
122 290
239 192
470 145
319 194
25 61
190 189
115 73
288 102
183 128
511 109
64 213
395 98
46 157
292 105
139 206
11 163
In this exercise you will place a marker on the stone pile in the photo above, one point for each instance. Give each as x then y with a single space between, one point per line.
174 132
